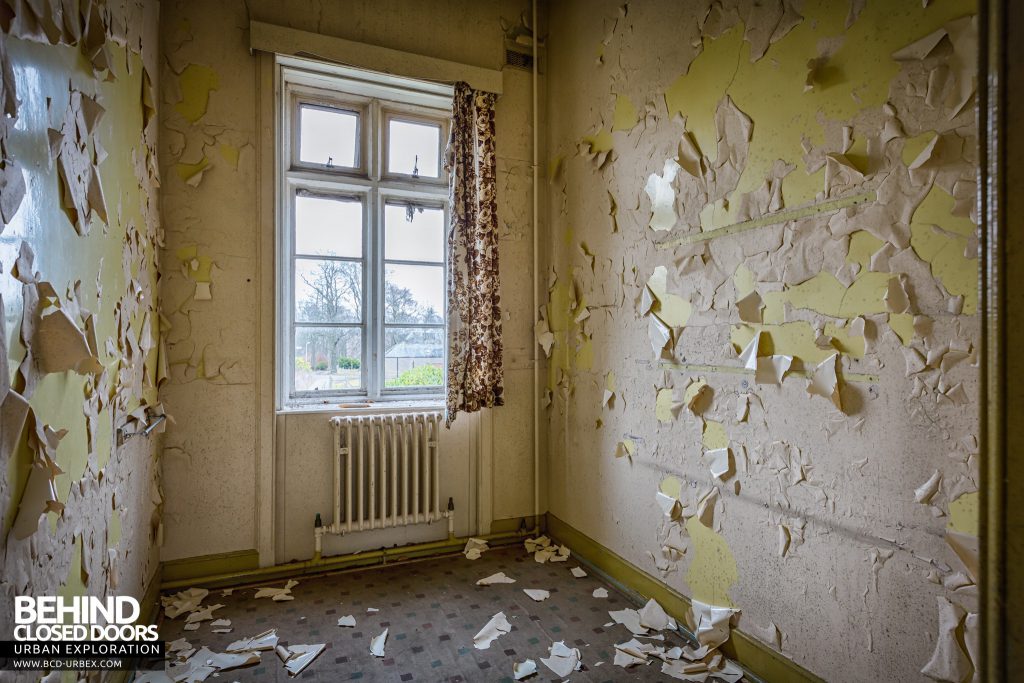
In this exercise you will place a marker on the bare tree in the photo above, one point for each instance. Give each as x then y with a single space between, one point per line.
336 295
432 316
399 304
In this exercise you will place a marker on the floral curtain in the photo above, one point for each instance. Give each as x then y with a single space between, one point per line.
474 311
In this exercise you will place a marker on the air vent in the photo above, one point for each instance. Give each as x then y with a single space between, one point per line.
518 60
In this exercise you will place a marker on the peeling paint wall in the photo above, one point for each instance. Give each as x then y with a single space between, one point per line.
79 229
776 414
218 304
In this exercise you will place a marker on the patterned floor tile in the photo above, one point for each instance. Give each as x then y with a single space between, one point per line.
433 609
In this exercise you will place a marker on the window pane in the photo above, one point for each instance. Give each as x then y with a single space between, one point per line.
328 358
413 294
327 136
328 291
418 239
328 227
413 148
413 357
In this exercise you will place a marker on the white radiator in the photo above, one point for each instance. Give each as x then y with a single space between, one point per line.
387 471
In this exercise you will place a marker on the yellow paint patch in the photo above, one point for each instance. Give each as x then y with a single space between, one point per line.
196 82
963 514
825 294
625 117
945 254
718 214
802 187
671 486
559 321
797 339
912 147
937 209
940 239
771 90
188 171
696 93
230 154
903 325
843 341
712 570
744 281
202 272
600 142
774 312
862 245
671 309
714 435
663 406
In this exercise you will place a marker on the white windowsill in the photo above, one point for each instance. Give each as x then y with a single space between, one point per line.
340 406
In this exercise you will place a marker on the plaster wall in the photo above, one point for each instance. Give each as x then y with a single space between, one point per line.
214 154
829 531
80 510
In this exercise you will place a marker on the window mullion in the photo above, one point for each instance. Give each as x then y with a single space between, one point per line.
378 312
370 297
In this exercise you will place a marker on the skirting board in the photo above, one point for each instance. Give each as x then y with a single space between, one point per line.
500 526
242 568
209 565
757 657
242 561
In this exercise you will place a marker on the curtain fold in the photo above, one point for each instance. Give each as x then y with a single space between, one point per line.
474 312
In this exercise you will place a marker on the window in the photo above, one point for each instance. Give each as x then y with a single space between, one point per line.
362 234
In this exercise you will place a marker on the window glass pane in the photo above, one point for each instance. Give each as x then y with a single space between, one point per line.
328 291
413 233
328 358
327 136
413 357
328 226
413 148
413 294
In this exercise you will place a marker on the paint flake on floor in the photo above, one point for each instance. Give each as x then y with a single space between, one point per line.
431 620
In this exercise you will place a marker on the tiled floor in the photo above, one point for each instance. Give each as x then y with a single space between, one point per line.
433 609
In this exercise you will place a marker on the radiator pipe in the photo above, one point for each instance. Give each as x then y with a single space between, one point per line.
450 515
536 278
319 530
321 564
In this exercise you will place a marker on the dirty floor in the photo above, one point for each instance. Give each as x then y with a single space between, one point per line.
433 609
